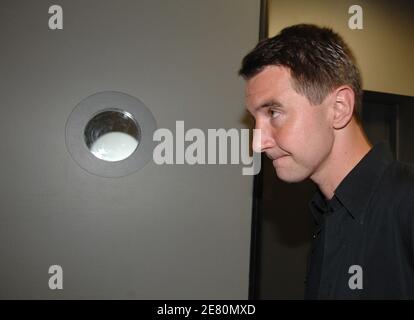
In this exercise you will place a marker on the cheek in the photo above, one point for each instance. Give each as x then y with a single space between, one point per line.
319 141
308 138
294 133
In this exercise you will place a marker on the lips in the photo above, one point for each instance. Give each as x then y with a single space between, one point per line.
278 161
281 157
276 158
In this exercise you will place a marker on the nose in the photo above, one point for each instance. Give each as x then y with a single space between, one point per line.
262 139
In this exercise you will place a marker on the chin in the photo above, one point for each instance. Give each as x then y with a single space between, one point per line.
290 177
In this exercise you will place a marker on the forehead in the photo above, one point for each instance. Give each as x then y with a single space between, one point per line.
272 82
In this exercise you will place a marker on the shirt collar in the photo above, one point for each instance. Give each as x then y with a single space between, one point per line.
319 205
356 189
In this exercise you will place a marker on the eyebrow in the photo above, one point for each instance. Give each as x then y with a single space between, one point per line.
266 104
270 103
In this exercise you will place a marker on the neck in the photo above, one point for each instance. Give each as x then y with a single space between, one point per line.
350 146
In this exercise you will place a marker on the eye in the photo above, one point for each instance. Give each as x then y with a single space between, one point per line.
273 113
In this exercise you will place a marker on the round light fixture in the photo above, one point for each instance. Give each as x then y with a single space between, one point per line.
110 134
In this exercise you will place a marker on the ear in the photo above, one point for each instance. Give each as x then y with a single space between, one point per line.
344 105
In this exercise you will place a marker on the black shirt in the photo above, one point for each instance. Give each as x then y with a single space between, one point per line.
363 247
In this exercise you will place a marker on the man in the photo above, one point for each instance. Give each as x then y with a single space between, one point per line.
303 88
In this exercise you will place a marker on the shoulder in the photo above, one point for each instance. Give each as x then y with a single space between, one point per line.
400 177
395 191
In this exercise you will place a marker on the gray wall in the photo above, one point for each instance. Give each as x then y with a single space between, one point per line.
164 232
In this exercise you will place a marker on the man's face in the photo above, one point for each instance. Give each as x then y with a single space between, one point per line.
296 135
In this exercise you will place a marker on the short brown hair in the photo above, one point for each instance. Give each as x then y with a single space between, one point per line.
318 58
